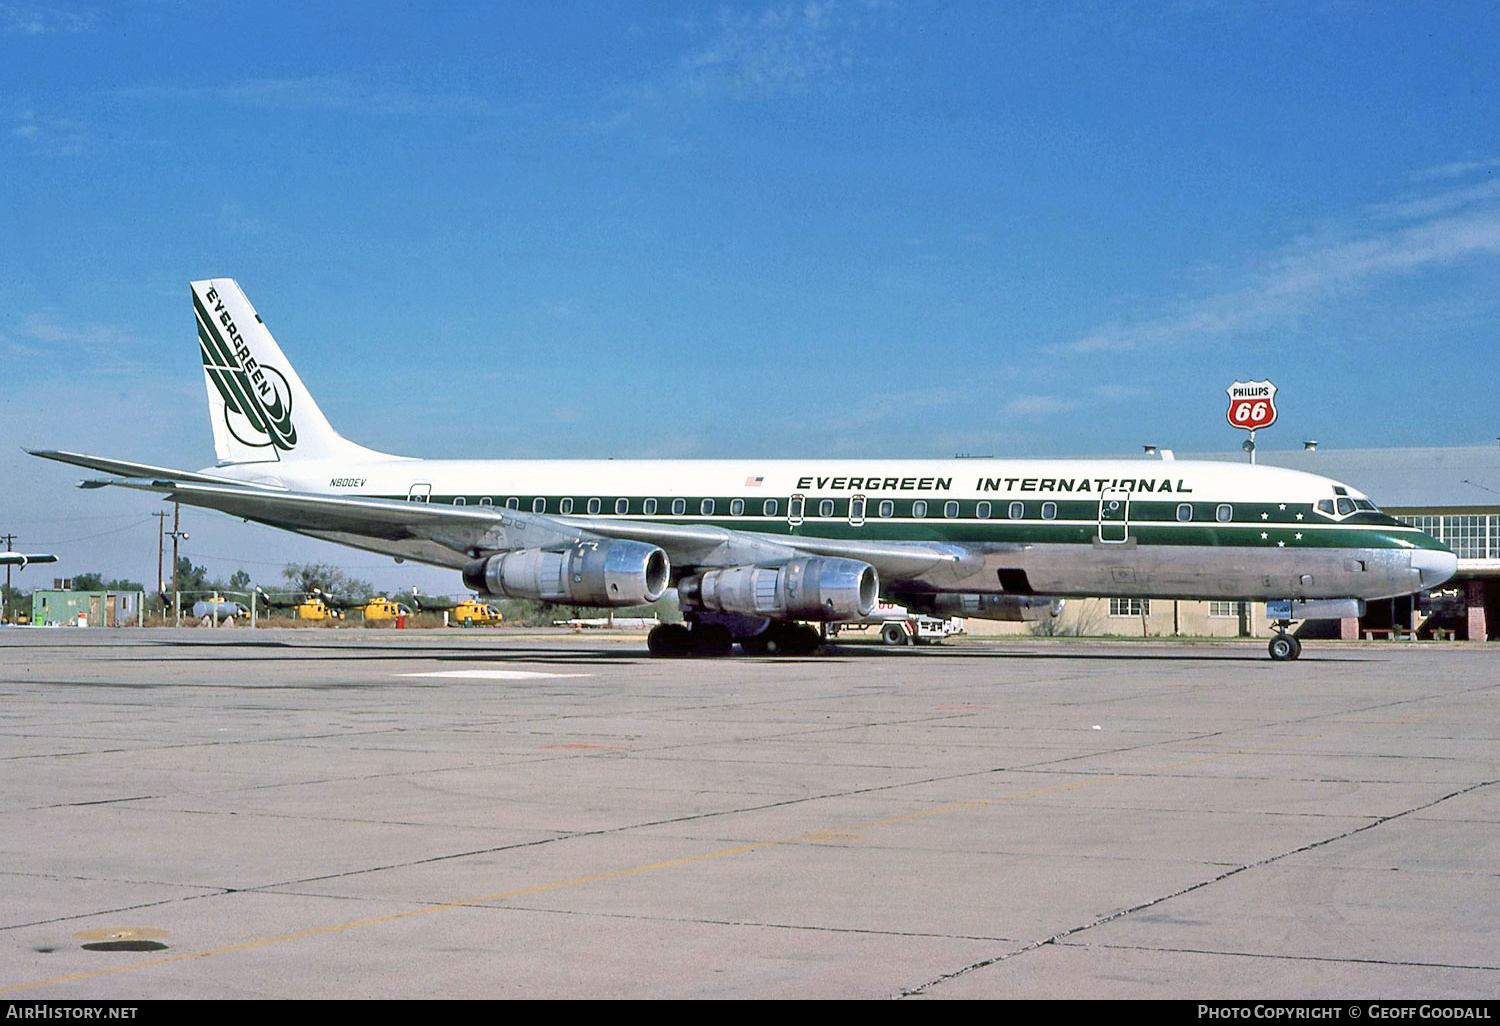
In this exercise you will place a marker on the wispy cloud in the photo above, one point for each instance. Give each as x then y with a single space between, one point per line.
49 137
1456 169
41 20
316 93
88 348
776 51
1392 239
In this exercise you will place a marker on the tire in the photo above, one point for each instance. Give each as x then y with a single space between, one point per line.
892 634
712 640
1284 648
669 641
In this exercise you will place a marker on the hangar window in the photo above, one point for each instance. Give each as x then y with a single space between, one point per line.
887 508
622 506
706 507
1184 511
486 501
538 504
982 511
679 507
649 507
566 506
1016 511
736 507
1224 513
950 509
1049 511
770 508
919 508
825 508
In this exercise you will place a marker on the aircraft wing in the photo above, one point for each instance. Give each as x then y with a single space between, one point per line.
454 535
22 559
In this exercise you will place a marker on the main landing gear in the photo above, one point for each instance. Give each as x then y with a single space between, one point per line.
1284 647
677 640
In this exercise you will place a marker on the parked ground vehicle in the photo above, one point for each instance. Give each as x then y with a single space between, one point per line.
900 626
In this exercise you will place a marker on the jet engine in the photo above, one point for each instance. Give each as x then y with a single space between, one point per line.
806 588
588 573
987 607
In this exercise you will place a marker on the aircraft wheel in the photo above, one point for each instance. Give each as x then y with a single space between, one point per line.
892 634
712 640
1285 648
669 641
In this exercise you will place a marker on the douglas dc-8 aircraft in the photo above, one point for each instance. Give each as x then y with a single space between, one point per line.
757 548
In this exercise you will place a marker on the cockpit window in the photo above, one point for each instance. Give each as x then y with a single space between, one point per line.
1325 506
1345 506
1366 505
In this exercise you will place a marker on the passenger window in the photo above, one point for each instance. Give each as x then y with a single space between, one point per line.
538 505
594 506
679 507
794 508
566 506
770 508
622 506
487 501
950 509
887 508
825 508
1017 510
1185 511
919 508
857 508
706 507
982 511
1049 511
459 500
649 507
1224 513
736 507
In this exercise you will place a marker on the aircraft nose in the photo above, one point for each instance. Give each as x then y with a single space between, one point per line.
1433 567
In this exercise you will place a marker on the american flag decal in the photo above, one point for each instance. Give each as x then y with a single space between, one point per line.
754 482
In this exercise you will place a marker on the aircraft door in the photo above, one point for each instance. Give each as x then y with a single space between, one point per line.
857 511
1114 517
420 492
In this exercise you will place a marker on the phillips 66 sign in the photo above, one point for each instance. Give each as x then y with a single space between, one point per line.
1252 404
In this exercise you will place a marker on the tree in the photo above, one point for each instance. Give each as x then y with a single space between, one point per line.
95 582
328 579
239 581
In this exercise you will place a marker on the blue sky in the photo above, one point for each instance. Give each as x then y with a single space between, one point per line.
891 228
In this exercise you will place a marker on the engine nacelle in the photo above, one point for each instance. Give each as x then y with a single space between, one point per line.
806 588
988 607
589 573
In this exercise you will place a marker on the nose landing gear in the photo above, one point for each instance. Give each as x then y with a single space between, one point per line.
1284 647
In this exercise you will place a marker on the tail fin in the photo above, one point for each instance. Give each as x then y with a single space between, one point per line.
260 410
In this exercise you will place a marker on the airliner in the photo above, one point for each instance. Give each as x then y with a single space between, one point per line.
756 550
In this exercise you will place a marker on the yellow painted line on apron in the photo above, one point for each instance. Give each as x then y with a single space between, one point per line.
839 833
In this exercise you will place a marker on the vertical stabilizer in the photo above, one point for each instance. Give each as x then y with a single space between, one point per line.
260 410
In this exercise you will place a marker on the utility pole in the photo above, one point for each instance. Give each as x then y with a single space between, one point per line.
5 605
161 584
176 535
